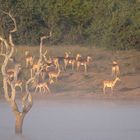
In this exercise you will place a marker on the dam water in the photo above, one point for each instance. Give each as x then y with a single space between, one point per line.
74 119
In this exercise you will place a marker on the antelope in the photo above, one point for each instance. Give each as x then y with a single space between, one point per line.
45 68
28 59
51 81
54 75
61 58
83 62
18 83
13 73
35 68
58 59
56 62
115 69
42 87
43 72
48 63
71 60
52 62
110 84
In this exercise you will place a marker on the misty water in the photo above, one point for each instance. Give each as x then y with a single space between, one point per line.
74 119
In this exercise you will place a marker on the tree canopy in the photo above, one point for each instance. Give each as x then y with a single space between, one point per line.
113 24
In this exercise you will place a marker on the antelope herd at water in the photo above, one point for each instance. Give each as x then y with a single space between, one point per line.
47 69
51 67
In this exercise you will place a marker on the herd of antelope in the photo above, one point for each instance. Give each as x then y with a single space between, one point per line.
51 67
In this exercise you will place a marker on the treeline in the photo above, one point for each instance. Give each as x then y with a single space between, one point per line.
113 24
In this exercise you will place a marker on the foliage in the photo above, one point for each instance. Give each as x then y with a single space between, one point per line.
113 24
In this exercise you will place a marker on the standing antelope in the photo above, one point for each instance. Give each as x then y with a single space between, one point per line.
57 60
13 73
35 68
83 62
42 87
115 69
71 61
28 59
54 74
110 84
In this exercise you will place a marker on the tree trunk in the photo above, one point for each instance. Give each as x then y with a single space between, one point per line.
19 123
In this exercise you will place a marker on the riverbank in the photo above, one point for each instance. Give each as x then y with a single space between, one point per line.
78 84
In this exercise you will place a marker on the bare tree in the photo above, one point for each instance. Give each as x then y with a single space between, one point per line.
10 97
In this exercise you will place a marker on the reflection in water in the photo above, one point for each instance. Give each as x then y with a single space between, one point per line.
74 120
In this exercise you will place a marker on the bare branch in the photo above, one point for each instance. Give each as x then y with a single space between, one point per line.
5 77
2 54
14 29
14 106
42 38
27 84
13 91
5 42
45 52
50 34
15 25
41 47
27 102
44 55
13 19
11 40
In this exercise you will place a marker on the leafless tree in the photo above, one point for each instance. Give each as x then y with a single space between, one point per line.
10 97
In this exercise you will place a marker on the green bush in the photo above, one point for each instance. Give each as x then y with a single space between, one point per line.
113 24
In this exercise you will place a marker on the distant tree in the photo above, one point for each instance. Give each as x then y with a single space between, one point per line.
107 23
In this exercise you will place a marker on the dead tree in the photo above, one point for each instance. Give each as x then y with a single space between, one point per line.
10 97
36 67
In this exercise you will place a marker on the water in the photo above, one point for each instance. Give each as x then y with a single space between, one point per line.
74 120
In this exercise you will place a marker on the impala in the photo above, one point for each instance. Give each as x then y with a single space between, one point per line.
83 62
110 84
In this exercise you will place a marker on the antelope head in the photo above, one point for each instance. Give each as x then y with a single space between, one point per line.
88 58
